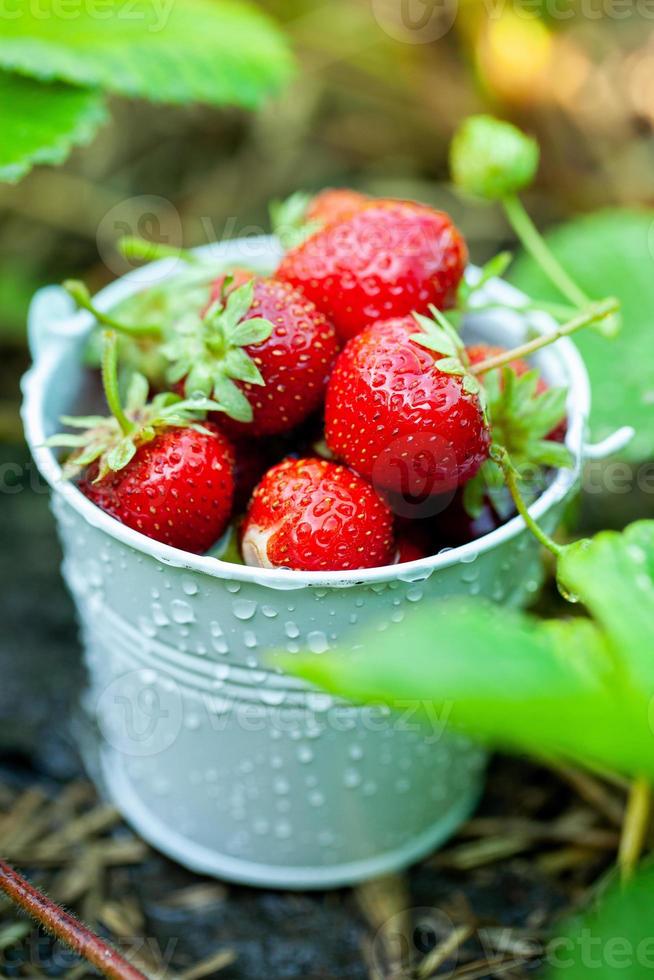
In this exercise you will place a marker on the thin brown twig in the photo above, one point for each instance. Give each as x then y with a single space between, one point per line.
66 927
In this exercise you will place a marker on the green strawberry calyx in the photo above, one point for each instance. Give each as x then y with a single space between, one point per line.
112 441
521 419
208 352
439 336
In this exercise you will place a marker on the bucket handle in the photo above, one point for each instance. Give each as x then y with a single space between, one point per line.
611 445
50 309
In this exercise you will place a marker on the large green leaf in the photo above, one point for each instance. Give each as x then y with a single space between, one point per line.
611 253
41 123
213 51
580 689
612 941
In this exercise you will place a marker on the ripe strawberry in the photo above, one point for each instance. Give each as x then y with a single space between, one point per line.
407 419
385 260
262 350
334 204
408 550
313 515
454 526
301 216
177 489
153 466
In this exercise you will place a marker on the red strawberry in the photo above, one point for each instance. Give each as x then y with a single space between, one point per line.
263 351
177 489
156 466
385 260
408 550
454 526
313 515
404 417
334 204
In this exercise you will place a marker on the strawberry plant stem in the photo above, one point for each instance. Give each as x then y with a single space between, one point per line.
132 247
635 826
534 243
503 460
79 293
66 927
594 314
110 382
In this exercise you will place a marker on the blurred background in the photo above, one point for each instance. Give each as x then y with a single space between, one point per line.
380 88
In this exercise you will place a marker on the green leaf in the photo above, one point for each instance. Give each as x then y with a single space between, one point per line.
237 306
253 331
232 400
611 941
241 367
42 123
137 392
610 253
119 457
82 421
223 52
501 676
545 452
579 689
613 574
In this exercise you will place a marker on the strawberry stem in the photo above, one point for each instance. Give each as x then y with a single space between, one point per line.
500 456
78 291
634 829
594 314
132 247
110 382
535 244
65 927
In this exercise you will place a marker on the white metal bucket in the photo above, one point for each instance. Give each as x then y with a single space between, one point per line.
218 759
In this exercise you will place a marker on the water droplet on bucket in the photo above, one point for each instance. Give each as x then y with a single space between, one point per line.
244 609
317 642
189 586
158 615
181 611
351 778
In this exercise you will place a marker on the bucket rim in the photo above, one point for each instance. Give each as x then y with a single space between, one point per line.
48 351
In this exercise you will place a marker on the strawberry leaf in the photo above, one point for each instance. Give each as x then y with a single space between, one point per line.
556 688
120 456
610 252
236 307
240 366
137 393
611 939
41 123
214 52
232 400
253 331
